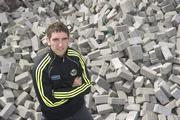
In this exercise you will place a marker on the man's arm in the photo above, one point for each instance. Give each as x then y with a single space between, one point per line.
42 85
83 89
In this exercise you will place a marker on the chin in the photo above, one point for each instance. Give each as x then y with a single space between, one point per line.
60 54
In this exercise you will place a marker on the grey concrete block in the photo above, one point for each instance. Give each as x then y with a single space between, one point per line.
170 45
132 66
171 32
5 50
135 52
166 68
178 111
149 46
35 43
94 54
4 69
2 78
100 90
38 30
4 18
176 93
158 51
118 85
11 72
143 90
101 99
172 117
125 74
27 86
163 99
176 69
7 110
153 57
102 82
111 116
171 105
138 82
38 116
161 117
176 60
121 116
116 101
132 107
25 43
104 109
139 21
175 20
131 99
122 95
93 43
148 73
17 92
165 87
116 63
104 69
113 55
99 35
8 94
161 109
37 106
150 116
148 106
166 53
22 98
98 117
106 51
17 56
122 45
23 112
112 77
126 6
132 115
23 78
148 84
127 86
142 99
175 78
15 117
178 42
11 85
167 8
29 104
112 93
96 63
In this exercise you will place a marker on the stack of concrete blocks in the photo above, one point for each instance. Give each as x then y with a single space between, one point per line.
131 48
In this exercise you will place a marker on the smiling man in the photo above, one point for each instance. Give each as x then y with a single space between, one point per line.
61 79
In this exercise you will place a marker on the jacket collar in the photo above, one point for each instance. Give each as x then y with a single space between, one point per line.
53 54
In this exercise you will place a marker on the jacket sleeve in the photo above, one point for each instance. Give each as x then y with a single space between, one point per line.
42 85
80 90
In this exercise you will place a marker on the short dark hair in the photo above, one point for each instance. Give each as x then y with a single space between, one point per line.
57 27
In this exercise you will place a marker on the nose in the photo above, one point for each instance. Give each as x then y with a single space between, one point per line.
60 43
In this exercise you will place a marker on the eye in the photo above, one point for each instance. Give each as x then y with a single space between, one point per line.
64 39
54 40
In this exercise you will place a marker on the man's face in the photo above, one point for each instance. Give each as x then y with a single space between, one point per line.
59 42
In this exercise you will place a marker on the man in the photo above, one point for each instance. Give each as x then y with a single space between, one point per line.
61 79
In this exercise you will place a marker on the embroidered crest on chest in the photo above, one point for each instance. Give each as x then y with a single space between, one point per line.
73 72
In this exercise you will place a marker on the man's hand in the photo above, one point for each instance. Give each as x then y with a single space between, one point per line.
77 82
